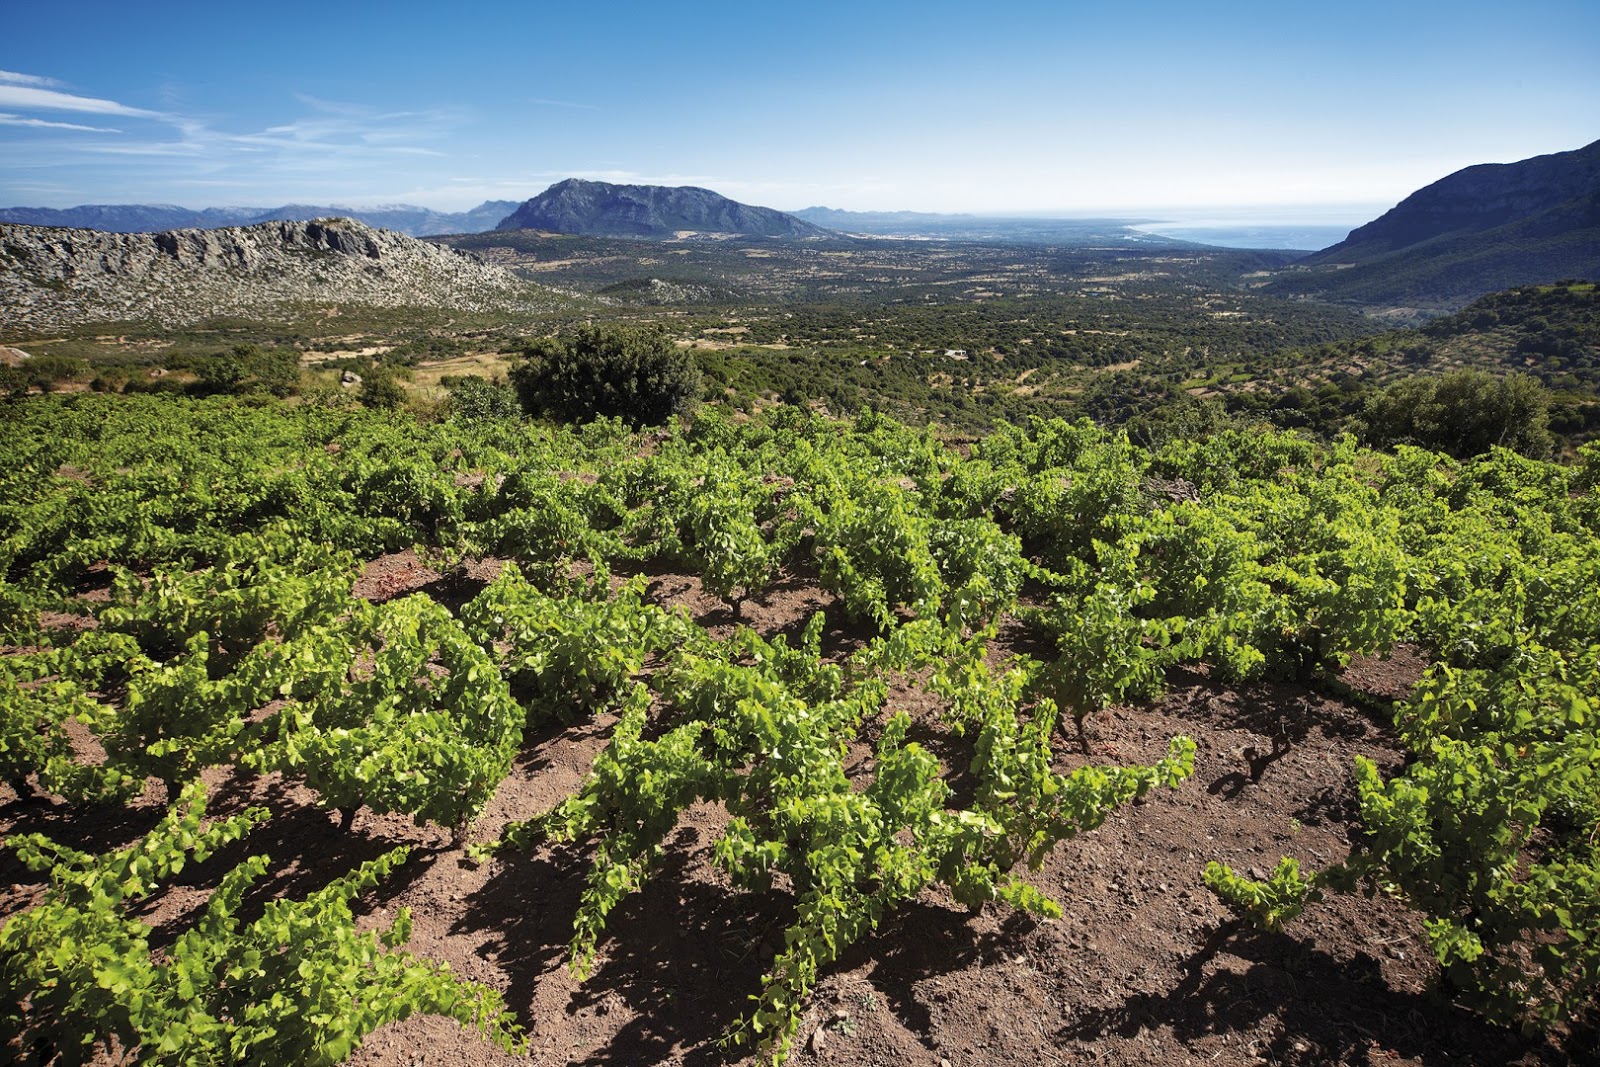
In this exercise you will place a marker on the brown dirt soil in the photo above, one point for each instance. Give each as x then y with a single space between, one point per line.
1146 967
394 575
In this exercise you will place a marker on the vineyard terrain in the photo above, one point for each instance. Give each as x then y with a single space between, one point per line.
789 737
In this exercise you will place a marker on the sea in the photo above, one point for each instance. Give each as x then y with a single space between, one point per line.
1308 229
1233 235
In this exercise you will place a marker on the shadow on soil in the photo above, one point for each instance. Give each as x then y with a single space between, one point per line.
924 941
1277 718
306 848
677 957
304 843
455 590
1305 1007
92 828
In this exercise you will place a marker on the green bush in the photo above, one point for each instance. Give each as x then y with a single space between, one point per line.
382 389
1463 413
636 375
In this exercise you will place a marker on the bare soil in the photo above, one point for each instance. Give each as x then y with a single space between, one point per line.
1146 967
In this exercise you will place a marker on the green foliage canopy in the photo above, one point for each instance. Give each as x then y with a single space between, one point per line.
636 375
381 389
1464 413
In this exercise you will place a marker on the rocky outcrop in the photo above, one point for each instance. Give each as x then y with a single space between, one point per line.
52 278
600 209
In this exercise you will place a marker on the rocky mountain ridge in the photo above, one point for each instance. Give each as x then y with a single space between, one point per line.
601 209
153 218
1473 200
53 278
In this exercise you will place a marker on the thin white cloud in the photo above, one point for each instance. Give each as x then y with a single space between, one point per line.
321 150
345 130
361 114
331 107
29 98
351 111
7 119
11 77
158 148
43 188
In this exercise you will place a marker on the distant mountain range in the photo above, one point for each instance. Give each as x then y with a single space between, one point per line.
155 218
1481 229
600 209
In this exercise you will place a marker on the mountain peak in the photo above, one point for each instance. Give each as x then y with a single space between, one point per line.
157 218
601 209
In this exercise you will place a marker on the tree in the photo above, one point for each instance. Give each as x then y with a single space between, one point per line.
382 389
222 373
637 375
1463 413
276 370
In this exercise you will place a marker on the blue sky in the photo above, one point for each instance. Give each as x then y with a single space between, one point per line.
1282 109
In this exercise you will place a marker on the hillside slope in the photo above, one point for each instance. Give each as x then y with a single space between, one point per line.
1488 227
58 278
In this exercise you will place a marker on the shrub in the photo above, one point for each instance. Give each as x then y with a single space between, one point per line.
381 389
46 372
1463 413
638 376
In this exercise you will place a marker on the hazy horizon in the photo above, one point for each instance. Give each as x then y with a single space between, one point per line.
1148 216
1021 110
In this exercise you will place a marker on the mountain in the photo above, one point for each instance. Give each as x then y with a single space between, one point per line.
600 209
402 218
52 278
154 218
1489 227
880 222
481 219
